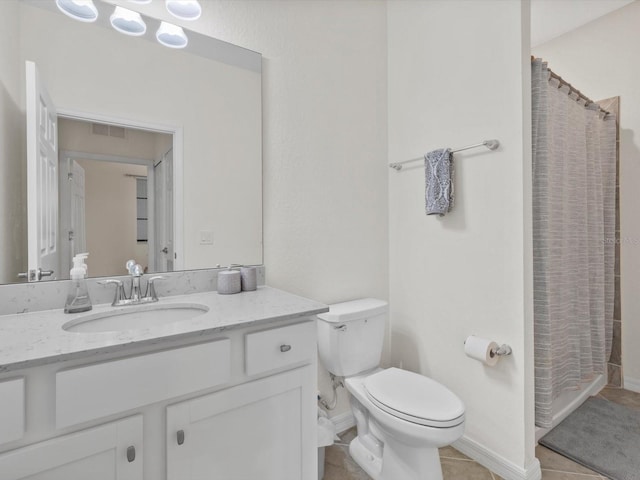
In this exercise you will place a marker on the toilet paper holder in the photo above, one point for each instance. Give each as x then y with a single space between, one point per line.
502 350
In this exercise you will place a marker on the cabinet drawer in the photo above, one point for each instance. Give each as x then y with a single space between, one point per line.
280 347
12 410
95 391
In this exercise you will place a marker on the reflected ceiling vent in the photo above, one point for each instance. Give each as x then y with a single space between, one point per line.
108 130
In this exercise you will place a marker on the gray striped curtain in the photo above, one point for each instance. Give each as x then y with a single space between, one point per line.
574 175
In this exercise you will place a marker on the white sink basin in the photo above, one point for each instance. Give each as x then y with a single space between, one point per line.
135 318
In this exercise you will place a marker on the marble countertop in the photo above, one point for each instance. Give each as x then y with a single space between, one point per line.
32 339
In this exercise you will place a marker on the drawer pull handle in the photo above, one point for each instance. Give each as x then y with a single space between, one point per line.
131 453
180 437
285 348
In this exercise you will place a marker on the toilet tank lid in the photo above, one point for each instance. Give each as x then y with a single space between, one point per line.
354 309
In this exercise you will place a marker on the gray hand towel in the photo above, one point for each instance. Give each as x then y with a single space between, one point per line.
438 170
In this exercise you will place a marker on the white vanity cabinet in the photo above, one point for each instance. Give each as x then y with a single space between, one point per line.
112 451
239 404
258 430
11 410
263 429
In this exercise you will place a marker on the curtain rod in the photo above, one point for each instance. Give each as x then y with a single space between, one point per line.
563 82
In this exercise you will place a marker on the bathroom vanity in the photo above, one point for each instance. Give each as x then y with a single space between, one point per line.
229 393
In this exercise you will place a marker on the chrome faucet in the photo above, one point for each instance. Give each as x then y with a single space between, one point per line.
136 272
136 296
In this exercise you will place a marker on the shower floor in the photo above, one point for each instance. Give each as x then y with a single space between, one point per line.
456 466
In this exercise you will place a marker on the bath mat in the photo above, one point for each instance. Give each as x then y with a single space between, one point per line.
602 436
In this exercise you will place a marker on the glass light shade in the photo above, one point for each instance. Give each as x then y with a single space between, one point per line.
184 9
128 22
82 10
171 36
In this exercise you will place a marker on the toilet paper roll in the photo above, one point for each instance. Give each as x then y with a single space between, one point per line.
480 349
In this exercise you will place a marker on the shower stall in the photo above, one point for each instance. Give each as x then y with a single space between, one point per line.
574 232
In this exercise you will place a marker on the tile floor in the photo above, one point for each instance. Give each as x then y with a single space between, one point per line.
456 466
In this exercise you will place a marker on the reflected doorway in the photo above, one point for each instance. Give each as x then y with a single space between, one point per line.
116 197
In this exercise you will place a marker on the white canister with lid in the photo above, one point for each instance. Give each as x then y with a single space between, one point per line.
249 278
229 281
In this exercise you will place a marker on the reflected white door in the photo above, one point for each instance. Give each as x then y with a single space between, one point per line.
42 180
163 213
72 213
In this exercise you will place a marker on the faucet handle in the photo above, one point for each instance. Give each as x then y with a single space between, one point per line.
119 296
137 270
129 266
151 289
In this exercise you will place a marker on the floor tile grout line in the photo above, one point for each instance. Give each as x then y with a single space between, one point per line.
594 475
460 459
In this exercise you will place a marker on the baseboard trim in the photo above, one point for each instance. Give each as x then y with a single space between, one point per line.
496 463
632 384
343 421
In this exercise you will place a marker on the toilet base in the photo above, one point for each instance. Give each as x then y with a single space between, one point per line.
389 448
370 463
400 463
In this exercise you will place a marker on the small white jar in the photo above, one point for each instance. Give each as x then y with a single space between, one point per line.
229 282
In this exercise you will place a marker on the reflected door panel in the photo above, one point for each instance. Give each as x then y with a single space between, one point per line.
42 179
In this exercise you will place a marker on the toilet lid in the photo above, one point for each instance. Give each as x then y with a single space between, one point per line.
414 398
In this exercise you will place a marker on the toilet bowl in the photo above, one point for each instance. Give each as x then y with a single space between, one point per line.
402 417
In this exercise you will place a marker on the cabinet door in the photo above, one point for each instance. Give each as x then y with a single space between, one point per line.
265 429
100 453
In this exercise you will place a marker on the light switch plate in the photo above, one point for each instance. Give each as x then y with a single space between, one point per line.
206 237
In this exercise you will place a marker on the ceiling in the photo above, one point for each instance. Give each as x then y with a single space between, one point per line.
552 18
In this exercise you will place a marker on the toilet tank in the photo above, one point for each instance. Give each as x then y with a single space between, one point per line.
351 335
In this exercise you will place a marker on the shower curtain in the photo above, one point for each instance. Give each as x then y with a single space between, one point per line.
574 175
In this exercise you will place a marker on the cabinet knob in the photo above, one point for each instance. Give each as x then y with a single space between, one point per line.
285 348
131 453
180 436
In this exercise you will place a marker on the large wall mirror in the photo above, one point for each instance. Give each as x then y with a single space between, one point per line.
158 149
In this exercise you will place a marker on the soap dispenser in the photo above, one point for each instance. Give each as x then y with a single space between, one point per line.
78 298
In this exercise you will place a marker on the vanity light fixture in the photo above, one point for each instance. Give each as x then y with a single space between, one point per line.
82 10
171 36
128 22
184 9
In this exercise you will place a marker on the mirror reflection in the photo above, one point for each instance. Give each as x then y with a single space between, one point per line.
115 194
200 172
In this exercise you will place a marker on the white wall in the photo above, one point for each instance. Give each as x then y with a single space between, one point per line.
110 216
458 74
601 59
12 216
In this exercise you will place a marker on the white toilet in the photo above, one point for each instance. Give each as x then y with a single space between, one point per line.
402 417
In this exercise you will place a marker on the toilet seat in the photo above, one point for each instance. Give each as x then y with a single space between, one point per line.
414 398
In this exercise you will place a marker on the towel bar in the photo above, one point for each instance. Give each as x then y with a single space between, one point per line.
490 144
